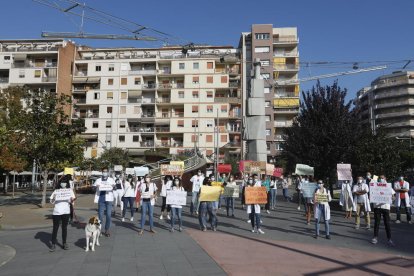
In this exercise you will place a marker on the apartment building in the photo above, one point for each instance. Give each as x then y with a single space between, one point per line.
389 104
277 49
146 99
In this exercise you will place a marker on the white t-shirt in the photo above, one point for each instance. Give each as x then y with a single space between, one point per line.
152 188
62 207
129 191
165 187
197 182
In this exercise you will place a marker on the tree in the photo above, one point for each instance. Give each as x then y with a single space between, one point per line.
114 156
324 133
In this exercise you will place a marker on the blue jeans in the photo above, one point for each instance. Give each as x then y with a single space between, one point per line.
146 205
273 198
176 212
286 194
230 204
102 206
207 208
321 213
254 219
127 200
195 204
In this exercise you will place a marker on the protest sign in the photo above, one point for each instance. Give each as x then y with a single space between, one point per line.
129 171
380 193
178 163
171 169
63 194
224 168
242 164
270 169
68 171
321 198
344 171
252 167
210 193
118 168
231 191
308 189
105 186
141 171
302 169
277 172
255 195
177 198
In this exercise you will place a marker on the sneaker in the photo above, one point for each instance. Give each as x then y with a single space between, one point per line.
131 219
267 211
65 246
141 232
368 227
299 208
52 248
172 230
410 222
397 221
214 229
374 241
307 223
260 231
316 236
249 221
261 221
196 213
390 243
233 216
254 230
180 229
123 219
152 231
357 226
328 237
168 217
204 229
161 217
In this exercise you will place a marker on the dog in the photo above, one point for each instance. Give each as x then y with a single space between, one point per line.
92 230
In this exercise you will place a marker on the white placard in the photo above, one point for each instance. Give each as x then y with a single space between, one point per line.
63 194
177 198
231 191
105 186
118 168
129 171
145 195
344 171
380 193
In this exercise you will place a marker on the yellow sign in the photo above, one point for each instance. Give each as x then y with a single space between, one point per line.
178 163
258 167
218 184
68 171
210 193
321 197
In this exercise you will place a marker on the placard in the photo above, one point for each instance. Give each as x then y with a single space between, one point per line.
210 193
68 171
218 184
302 169
63 194
231 191
224 168
308 189
105 186
278 172
380 193
322 198
141 171
242 165
118 168
255 195
344 171
168 169
176 197
255 167
129 171
177 163
270 168
145 195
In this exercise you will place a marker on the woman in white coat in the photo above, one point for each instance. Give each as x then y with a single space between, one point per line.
321 207
346 200
254 209
402 199
361 202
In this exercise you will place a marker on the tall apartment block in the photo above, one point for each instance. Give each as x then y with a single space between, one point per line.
277 49
389 104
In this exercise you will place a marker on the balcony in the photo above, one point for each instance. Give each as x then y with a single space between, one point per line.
234 84
164 72
178 114
288 39
49 79
167 144
286 67
283 124
143 72
148 115
79 101
285 54
162 129
149 86
233 100
146 144
32 64
81 73
279 137
141 100
405 113
405 102
235 115
286 110
164 100
141 129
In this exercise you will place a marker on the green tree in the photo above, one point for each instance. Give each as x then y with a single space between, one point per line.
114 156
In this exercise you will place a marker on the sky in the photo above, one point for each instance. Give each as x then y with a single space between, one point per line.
369 32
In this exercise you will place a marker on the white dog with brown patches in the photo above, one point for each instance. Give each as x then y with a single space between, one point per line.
92 230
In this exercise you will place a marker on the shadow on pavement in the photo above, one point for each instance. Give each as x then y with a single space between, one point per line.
44 237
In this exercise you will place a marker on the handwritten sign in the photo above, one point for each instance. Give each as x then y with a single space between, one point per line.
242 164
129 171
141 171
177 198
380 193
308 189
255 195
344 171
177 163
68 171
145 195
302 169
278 172
168 169
321 198
210 193
231 191
105 186
270 169
118 168
63 194
252 167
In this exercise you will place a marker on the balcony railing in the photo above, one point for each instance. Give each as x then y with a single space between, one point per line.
141 100
283 124
81 73
148 115
164 72
149 86
141 129
143 72
286 54
146 144
178 114
234 100
32 64
285 39
162 129
79 101
49 79
233 84
163 100
286 66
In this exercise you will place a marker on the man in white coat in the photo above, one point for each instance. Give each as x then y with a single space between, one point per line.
402 199
361 202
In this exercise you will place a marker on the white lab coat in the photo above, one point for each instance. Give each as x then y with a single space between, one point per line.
405 186
346 189
109 195
256 206
327 207
361 187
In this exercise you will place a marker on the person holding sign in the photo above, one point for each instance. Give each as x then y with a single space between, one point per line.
206 207
254 209
231 186
166 185
61 198
176 209
361 202
382 209
322 210
401 187
197 181
148 195
104 196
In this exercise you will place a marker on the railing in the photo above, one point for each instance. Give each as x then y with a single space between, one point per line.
149 86
287 38
79 101
233 84
283 124
141 129
163 100
146 144
143 72
141 100
164 72
286 54
178 114
162 129
286 66
81 73
49 79
32 64
227 100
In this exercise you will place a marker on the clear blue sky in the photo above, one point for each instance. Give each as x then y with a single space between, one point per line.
329 30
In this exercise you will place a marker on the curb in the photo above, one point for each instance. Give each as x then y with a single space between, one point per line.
7 253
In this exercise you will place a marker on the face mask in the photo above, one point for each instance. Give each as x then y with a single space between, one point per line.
368 176
401 178
63 185
199 173
212 179
105 174
129 179
176 182
251 181
231 179
320 185
147 179
360 181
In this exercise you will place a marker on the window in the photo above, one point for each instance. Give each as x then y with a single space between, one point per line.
194 109
268 132
136 109
193 138
209 124
267 103
6 59
110 81
124 81
181 66
122 124
267 90
122 109
180 123
223 108
121 138
209 79
196 65
265 76
194 123
96 95
135 138
196 80
108 124
209 138
223 138
223 79
95 124
109 109
111 68
265 62
137 81
279 146
124 95
98 68
209 94
267 118
262 36
262 49
181 94
110 95
209 109
21 74
209 65
195 94
37 73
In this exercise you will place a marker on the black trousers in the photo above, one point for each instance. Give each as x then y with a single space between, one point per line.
164 203
56 221
378 212
267 205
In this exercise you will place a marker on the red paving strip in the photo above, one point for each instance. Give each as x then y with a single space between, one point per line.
239 255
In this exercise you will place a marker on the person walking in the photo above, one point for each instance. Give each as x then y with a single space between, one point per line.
321 209
266 183
273 192
223 179
206 208
118 193
61 212
104 196
197 180
346 200
402 199
176 209
148 195
253 210
129 197
229 199
285 187
361 202
166 186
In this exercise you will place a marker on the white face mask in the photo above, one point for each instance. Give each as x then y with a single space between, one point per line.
199 174
320 185
212 179
251 181
63 185
105 174
231 178
176 182
359 181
